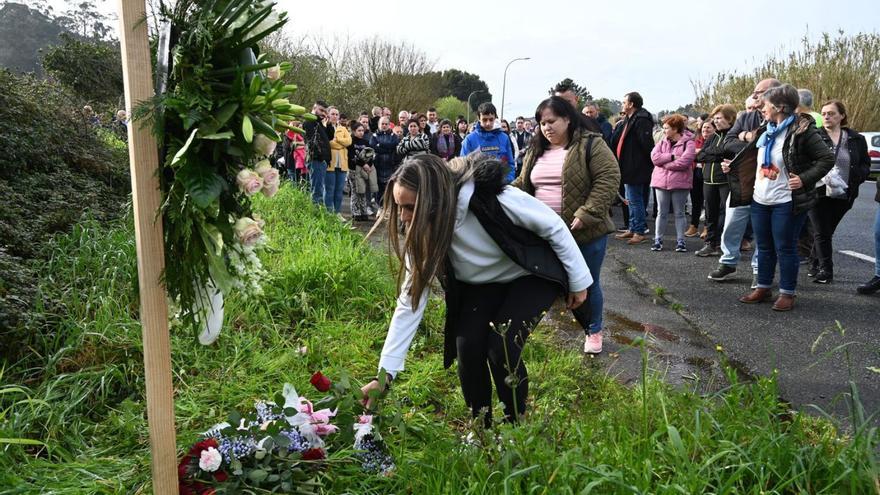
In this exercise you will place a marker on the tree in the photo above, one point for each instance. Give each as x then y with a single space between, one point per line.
460 84
83 18
582 93
91 69
450 107
608 107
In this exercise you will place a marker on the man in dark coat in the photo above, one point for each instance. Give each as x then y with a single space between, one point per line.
317 150
384 142
632 143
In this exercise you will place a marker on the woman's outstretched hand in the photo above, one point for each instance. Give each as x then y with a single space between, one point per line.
368 399
575 299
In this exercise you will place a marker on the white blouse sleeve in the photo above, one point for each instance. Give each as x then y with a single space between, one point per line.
402 329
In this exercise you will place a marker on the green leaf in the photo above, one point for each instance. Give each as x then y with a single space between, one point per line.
182 150
202 183
234 418
22 441
256 82
247 129
219 135
258 475
224 113
675 440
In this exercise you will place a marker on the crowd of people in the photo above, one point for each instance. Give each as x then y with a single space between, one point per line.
510 217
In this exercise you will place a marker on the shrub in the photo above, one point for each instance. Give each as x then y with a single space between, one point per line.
842 67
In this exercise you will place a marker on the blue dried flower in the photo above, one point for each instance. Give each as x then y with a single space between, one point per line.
297 442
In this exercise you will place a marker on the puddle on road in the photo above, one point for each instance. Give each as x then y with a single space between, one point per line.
680 356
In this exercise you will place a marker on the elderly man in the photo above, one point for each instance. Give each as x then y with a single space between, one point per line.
805 97
736 220
402 118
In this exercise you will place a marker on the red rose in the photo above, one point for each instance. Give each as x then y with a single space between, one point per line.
197 449
321 382
220 476
313 455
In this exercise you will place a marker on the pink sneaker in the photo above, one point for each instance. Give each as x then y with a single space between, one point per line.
593 343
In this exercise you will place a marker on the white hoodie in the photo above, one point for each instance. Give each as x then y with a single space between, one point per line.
477 259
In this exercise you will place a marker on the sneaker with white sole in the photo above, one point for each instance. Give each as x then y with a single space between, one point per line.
593 343
723 272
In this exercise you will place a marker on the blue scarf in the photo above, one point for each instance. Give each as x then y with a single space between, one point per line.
769 137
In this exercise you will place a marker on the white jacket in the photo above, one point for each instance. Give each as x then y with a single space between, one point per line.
477 259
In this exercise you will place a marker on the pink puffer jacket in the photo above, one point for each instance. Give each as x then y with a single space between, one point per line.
675 174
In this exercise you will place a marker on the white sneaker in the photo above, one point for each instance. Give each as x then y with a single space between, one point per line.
593 343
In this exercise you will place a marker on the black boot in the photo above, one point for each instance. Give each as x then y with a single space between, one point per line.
870 287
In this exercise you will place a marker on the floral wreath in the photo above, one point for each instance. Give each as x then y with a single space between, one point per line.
217 122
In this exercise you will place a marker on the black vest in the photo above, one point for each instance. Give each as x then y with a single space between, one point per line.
524 247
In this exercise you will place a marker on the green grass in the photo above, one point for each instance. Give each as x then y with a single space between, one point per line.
79 391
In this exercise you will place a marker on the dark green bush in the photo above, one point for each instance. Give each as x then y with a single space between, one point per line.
54 168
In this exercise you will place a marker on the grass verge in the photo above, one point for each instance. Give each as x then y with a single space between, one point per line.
77 396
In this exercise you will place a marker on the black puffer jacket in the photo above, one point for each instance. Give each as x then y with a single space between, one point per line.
711 156
636 166
807 154
859 160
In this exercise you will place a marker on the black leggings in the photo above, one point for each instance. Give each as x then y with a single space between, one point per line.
514 308
716 201
825 216
697 197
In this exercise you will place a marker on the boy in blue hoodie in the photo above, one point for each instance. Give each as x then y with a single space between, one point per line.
490 140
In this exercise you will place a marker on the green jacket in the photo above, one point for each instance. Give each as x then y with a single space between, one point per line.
589 186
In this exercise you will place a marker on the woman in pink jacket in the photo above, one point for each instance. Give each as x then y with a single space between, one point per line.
672 178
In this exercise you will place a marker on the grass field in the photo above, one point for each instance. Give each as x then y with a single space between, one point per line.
77 398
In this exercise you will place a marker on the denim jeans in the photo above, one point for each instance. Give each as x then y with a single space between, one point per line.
635 194
317 171
334 183
776 231
677 198
877 244
594 255
735 222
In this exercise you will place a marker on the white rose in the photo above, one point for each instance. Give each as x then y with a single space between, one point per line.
263 146
210 460
248 231
249 182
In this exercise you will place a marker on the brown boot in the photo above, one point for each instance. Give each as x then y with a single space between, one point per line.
784 303
636 239
705 233
691 231
624 235
745 246
758 295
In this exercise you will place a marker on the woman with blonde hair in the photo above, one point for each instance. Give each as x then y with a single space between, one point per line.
502 256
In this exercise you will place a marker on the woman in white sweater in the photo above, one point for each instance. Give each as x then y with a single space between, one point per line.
502 256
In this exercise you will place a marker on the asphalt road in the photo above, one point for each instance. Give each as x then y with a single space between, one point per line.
831 336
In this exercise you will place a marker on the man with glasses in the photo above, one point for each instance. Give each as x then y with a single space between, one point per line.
736 219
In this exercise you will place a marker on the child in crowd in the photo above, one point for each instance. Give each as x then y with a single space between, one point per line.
296 166
364 184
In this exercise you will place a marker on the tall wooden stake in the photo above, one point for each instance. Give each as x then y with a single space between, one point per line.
144 158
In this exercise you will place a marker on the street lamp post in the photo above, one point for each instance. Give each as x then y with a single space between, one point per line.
504 82
469 103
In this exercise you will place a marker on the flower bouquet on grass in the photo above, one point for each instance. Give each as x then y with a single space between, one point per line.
282 446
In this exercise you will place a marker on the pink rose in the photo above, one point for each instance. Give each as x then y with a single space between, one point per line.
270 176
274 73
263 146
249 182
248 231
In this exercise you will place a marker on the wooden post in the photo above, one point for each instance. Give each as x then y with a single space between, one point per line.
144 158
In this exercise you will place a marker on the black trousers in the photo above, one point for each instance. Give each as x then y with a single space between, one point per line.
697 197
491 330
824 217
716 206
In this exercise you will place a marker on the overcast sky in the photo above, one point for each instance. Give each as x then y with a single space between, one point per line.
611 47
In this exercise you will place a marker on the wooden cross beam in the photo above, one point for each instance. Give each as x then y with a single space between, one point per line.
144 158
